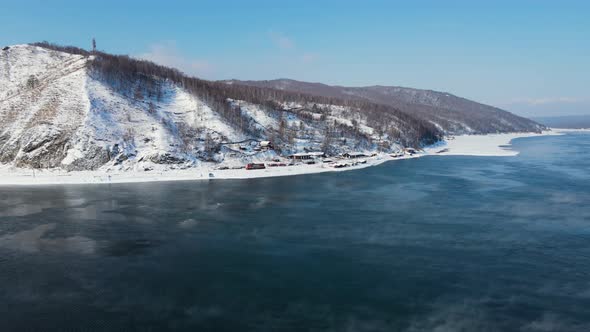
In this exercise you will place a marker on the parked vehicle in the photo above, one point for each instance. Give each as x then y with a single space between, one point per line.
255 166
411 151
267 145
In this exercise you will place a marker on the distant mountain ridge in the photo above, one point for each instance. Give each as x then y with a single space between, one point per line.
453 114
565 121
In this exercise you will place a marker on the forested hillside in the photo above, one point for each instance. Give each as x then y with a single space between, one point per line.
450 113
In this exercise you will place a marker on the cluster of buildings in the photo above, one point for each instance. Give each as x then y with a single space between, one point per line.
311 157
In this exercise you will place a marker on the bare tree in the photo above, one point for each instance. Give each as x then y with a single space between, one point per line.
138 94
327 143
32 82
210 145
282 127
151 108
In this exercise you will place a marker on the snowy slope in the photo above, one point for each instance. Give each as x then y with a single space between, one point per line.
56 112
36 122
72 120
452 114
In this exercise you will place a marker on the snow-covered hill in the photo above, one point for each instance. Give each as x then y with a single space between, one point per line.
56 111
67 108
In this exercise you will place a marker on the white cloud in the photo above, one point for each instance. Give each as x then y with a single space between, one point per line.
281 41
167 54
309 57
291 52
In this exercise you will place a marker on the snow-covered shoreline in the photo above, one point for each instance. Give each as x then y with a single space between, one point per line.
468 145
482 145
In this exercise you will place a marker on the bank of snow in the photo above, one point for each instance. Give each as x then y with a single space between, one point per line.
468 145
481 145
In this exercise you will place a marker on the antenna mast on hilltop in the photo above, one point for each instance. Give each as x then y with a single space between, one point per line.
93 45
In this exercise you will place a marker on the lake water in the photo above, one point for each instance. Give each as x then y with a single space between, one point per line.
432 244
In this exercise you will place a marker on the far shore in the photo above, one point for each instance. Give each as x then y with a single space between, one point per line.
465 145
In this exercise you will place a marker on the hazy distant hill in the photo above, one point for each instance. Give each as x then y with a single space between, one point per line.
570 121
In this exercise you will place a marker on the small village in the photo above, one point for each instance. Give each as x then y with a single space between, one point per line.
343 160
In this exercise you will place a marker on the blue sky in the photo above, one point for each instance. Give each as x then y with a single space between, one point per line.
530 57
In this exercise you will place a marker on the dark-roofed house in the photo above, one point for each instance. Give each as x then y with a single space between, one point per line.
352 155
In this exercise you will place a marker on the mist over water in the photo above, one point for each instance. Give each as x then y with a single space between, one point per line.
432 244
